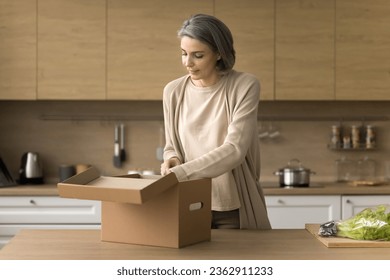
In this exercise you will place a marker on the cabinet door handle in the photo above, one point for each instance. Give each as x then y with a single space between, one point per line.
32 201
348 201
280 201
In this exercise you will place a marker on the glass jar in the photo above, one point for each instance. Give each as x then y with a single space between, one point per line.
367 169
346 170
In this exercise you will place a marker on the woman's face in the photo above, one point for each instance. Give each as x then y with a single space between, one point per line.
200 62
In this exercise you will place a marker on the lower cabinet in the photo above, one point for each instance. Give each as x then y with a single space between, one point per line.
46 212
353 204
284 211
294 211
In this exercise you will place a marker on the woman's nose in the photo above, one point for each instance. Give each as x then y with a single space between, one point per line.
187 61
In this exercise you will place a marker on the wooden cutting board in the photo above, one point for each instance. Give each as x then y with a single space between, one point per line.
341 242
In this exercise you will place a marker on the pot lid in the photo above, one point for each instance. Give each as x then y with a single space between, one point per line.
294 165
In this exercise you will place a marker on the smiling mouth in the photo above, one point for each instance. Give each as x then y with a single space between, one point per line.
193 71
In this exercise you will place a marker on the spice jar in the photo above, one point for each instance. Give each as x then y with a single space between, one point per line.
346 142
370 137
355 137
335 138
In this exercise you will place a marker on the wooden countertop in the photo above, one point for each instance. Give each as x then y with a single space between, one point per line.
273 189
329 189
296 244
30 190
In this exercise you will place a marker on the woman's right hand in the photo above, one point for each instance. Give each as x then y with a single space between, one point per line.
168 164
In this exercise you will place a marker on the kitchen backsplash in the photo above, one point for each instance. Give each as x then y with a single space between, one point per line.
74 132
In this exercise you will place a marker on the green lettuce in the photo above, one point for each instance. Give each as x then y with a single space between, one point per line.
369 224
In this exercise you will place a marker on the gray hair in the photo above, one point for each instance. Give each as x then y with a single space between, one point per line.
214 33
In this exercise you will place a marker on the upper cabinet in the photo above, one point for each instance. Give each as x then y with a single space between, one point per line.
18 50
252 25
362 50
143 50
304 51
72 49
129 50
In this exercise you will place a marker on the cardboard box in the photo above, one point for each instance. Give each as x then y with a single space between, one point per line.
147 210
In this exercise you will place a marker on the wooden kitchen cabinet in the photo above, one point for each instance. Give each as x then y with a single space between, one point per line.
18 50
128 50
71 49
304 50
143 51
362 48
294 211
46 212
353 204
252 25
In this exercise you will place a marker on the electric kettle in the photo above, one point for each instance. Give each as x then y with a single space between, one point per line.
31 171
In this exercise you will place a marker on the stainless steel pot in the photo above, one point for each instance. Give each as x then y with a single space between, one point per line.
294 175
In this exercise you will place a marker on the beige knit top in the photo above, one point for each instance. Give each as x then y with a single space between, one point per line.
213 131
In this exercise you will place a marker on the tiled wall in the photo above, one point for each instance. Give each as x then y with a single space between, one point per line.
54 129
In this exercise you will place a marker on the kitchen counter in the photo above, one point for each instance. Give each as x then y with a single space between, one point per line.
269 189
296 244
30 190
327 189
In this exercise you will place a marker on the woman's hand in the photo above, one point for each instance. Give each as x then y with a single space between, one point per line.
168 164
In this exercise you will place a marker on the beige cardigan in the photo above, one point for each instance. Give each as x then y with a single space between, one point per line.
239 153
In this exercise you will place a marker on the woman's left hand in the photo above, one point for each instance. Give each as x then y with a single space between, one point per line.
168 164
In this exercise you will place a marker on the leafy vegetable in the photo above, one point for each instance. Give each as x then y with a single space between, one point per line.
369 224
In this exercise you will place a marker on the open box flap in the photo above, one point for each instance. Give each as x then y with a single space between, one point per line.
90 185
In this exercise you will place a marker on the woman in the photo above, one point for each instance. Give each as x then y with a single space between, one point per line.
210 125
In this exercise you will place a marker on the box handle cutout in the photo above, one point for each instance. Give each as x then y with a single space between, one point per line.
196 206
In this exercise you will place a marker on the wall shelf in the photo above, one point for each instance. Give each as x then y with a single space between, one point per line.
352 149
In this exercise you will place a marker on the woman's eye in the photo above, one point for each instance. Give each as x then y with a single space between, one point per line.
198 55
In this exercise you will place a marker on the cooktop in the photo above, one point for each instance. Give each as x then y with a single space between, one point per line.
277 185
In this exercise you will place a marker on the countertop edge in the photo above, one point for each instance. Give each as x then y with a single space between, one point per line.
326 189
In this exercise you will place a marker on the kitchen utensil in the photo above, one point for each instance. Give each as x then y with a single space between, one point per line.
294 175
66 171
122 143
5 177
31 171
117 159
